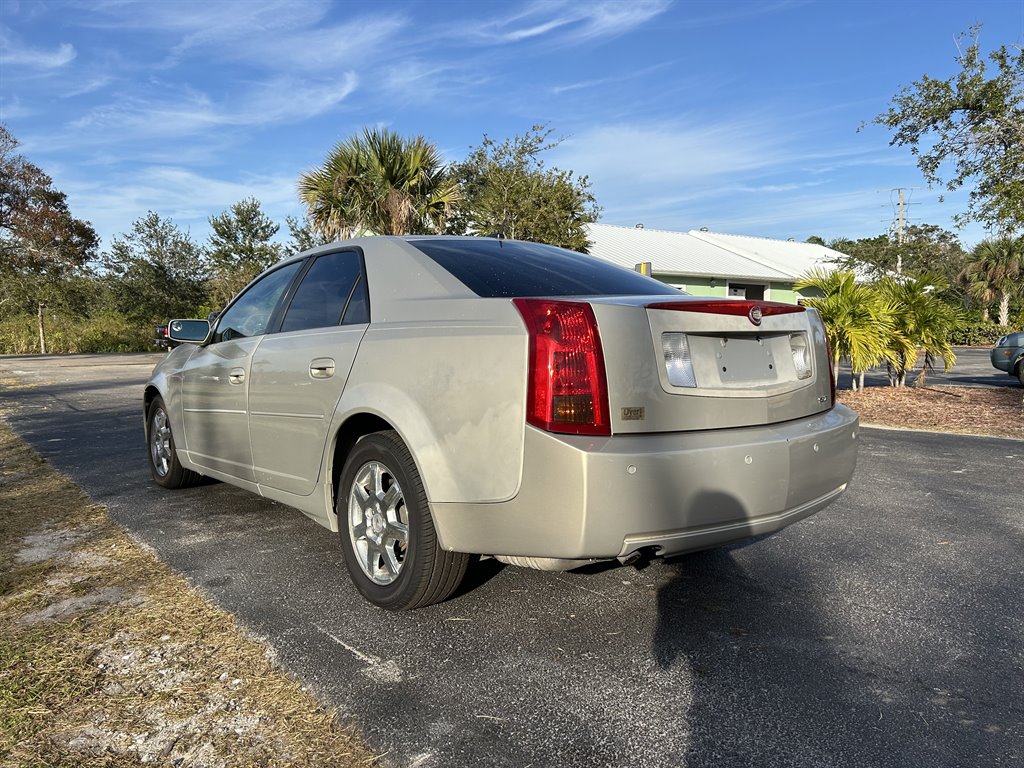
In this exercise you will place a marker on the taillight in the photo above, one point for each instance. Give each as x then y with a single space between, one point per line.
831 370
831 374
678 365
817 321
566 390
801 355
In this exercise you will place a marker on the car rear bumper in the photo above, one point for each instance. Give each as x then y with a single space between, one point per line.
583 497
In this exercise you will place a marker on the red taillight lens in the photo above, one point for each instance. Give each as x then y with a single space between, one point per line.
567 390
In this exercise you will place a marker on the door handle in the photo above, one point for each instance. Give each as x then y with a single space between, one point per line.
236 376
321 368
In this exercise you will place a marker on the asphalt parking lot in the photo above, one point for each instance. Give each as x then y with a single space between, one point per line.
887 630
973 368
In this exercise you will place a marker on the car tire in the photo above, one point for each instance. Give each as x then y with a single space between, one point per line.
387 534
164 466
1019 371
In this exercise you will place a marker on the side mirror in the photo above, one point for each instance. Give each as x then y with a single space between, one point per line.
189 331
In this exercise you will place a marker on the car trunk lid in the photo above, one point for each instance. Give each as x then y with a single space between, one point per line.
692 363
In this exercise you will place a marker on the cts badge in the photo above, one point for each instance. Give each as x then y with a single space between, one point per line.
755 314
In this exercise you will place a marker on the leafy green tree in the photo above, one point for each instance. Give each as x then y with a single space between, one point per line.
302 236
925 248
507 189
924 324
42 246
969 128
156 271
858 321
996 271
382 183
240 247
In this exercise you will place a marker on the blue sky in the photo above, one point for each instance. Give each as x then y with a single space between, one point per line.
737 116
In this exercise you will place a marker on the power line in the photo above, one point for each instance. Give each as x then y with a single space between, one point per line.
900 203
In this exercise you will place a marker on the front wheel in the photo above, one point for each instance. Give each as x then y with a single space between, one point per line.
387 534
163 457
1020 372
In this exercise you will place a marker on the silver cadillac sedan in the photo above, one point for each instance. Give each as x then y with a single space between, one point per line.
436 398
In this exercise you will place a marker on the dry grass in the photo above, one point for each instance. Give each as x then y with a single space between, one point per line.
998 412
107 658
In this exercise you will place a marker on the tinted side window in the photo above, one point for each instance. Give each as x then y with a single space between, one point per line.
495 268
323 293
251 314
358 310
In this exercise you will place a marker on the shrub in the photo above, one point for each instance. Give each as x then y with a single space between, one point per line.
106 332
977 334
113 332
18 335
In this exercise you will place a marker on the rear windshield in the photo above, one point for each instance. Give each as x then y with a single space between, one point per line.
494 268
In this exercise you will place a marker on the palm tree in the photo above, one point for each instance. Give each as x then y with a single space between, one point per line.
924 323
380 182
996 269
858 321
980 291
329 194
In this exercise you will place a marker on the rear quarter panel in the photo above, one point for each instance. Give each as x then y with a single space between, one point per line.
447 370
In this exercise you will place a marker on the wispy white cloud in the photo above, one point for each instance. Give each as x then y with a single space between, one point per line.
355 43
753 174
188 197
831 213
12 108
672 151
569 22
291 99
15 53
781 214
271 34
89 86
186 111
734 13
205 20
600 82
415 80
827 210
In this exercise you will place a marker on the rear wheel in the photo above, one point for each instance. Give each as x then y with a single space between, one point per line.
163 458
387 534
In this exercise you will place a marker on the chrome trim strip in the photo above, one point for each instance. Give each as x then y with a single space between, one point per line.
288 415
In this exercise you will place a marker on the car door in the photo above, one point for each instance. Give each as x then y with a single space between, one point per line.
299 372
215 380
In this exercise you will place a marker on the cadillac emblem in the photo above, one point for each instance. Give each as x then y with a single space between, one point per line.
755 314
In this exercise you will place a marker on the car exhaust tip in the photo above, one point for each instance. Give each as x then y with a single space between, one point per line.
639 558
632 558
